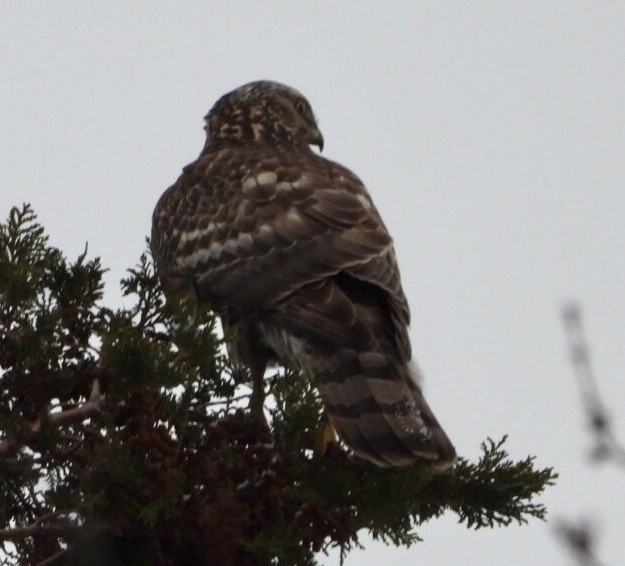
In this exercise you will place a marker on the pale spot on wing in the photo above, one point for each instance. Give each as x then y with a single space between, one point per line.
248 184
195 234
293 215
233 245
266 233
304 182
267 178
245 241
191 261
364 201
261 187
214 250
230 246
291 225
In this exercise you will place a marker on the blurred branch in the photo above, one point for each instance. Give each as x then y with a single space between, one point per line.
606 444
580 540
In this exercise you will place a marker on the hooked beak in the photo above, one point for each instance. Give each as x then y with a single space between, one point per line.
315 138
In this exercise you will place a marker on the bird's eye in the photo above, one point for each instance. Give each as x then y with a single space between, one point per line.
300 107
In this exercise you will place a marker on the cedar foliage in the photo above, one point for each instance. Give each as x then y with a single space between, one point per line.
120 447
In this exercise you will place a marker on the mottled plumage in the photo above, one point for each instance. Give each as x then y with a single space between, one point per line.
288 248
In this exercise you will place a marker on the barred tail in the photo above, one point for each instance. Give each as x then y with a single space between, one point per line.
379 411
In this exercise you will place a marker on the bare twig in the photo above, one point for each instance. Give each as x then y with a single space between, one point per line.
606 444
54 559
76 414
35 530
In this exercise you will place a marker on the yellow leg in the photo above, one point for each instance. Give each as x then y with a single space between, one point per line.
324 437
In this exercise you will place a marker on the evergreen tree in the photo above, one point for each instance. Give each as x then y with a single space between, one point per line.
121 446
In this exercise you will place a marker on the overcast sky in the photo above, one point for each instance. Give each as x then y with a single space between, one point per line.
490 134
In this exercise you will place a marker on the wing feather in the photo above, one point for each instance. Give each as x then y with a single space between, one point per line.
289 222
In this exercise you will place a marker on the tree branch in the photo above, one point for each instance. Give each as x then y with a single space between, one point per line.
54 558
87 410
59 530
606 444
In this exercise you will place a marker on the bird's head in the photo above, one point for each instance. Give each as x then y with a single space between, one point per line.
263 112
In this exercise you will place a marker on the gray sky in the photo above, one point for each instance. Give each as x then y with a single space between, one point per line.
490 134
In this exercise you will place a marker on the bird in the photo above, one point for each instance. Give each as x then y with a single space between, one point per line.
289 250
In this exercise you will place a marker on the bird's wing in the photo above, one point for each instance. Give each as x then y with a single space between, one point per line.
250 228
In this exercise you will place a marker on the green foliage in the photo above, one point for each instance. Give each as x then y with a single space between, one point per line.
119 445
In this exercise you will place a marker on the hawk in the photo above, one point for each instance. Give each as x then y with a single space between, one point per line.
289 250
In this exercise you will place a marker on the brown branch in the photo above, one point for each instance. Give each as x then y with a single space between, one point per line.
54 559
87 410
35 530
